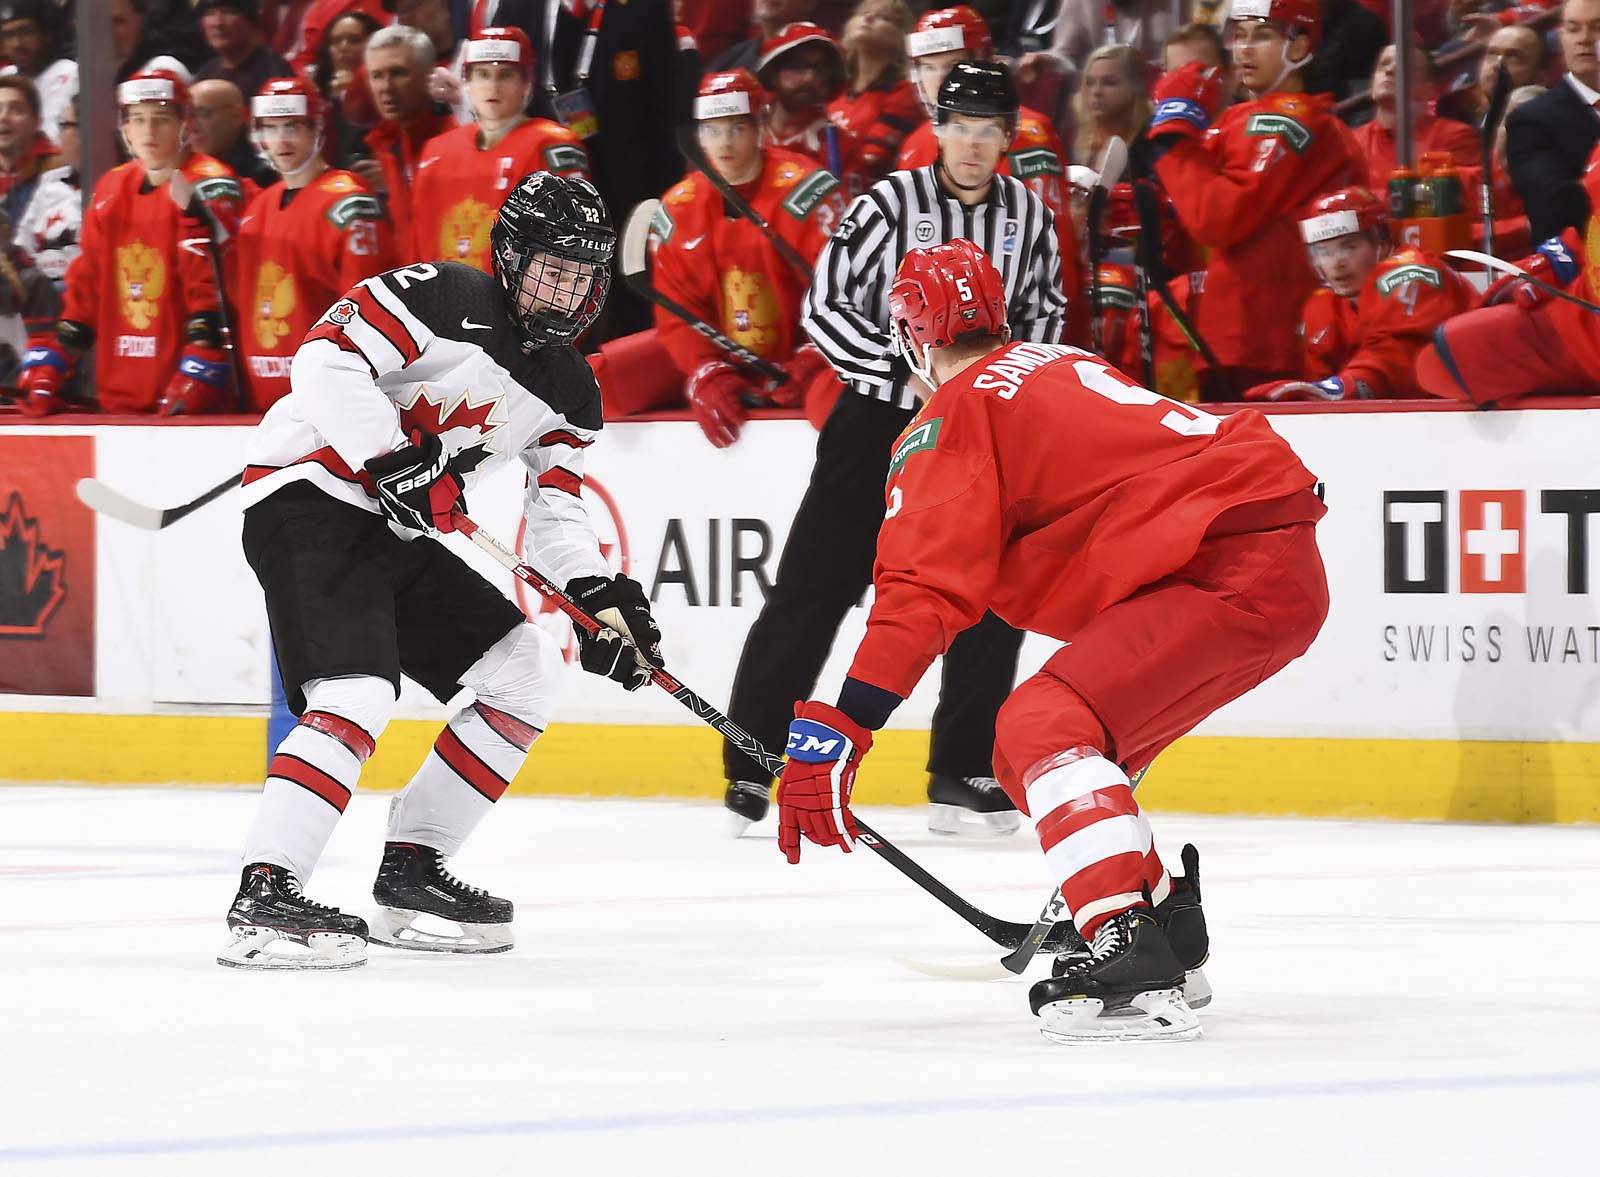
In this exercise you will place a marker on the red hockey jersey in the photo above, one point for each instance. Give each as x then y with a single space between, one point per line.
142 275
398 150
1045 485
1237 194
292 261
459 185
880 117
722 268
826 146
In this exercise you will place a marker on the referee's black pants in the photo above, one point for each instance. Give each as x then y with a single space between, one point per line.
825 568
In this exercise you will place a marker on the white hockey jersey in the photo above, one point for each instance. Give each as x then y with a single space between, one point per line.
49 228
433 347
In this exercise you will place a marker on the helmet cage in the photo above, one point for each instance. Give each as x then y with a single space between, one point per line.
548 217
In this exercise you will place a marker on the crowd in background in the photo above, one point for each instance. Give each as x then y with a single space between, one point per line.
842 85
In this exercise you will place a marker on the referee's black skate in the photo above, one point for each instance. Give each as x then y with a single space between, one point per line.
272 925
1184 921
747 802
1130 988
424 908
970 805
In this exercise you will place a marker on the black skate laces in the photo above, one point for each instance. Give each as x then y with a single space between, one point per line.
291 884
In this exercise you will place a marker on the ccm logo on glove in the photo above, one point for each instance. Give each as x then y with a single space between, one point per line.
813 742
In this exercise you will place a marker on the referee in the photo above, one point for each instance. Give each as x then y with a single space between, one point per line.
827 561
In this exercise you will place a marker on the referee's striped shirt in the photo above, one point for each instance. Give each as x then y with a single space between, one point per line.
846 311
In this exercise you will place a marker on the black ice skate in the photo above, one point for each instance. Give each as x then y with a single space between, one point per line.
1129 989
423 907
1184 921
272 925
970 805
747 802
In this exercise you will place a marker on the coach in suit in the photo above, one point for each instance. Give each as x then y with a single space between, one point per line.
1549 139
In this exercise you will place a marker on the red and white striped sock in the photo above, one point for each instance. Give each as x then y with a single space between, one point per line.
309 783
1097 842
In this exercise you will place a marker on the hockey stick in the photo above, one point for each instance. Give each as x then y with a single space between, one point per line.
695 157
1113 161
636 273
182 193
101 499
1500 265
1149 210
1002 932
1491 121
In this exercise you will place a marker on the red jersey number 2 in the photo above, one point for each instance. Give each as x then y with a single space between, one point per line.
1116 387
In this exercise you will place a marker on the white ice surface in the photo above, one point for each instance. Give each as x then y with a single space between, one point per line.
1391 999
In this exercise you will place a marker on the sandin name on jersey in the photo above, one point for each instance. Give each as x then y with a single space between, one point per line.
139 347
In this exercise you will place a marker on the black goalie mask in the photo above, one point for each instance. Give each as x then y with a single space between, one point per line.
552 244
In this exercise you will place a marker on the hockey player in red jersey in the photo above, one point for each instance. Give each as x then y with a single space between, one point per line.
803 68
879 106
303 242
406 390
464 174
143 292
1173 551
1377 309
725 270
1237 186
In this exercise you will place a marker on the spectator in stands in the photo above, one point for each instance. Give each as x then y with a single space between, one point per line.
433 18
25 152
232 29
1549 140
1194 42
716 25
303 243
338 57
319 21
139 44
1352 38
49 227
31 33
29 304
1512 238
1112 100
803 68
1429 132
220 131
1523 53
770 17
399 60
1084 26
879 106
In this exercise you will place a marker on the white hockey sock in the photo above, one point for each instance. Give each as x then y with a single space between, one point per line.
309 783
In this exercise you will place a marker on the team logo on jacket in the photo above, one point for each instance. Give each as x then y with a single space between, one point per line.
141 277
752 310
273 304
464 234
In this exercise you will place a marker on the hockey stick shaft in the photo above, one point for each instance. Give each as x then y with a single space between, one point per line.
1500 265
215 235
1113 161
689 146
1149 210
1002 932
1491 123
103 500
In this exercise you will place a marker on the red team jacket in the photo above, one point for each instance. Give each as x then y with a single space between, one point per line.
292 261
1448 136
398 150
880 117
726 271
1043 484
459 186
1237 194
1372 340
135 283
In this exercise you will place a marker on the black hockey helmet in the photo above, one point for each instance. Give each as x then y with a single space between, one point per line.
981 88
564 219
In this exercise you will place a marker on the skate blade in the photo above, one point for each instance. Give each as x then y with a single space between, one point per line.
420 931
964 823
269 948
1196 989
738 824
1157 1015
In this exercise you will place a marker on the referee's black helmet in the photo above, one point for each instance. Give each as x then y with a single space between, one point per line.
981 88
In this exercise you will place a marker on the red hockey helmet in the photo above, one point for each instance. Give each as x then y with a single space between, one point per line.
790 38
499 43
942 294
155 85
289 98
729 95
1304 15
947 29
1349 210
1346 235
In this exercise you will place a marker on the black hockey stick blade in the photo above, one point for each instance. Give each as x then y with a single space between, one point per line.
113 504
1501 266
1003 932
695 157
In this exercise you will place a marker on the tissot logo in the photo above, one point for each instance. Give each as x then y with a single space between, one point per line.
1490 531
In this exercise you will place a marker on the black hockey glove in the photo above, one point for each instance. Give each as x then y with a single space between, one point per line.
416 487
630 645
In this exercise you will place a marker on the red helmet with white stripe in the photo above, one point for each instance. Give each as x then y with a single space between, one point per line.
499 44
790 38
729 95
940 295
1346 234
946 29
155 85
289 98
1302 15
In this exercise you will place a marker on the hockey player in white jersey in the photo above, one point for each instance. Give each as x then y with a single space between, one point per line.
404 391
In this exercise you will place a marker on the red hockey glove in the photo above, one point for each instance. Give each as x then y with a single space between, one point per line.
200 385
45 368
713 392
825 749
416 487
1551 262
803 367
1185 99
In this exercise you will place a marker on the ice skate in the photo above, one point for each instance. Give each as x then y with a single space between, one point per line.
424 908
746 803
272 925
1184 921
970 805
1130 989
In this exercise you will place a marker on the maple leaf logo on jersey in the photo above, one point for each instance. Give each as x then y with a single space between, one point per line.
464 232
31 584
274 303
475 423
752 310
141 276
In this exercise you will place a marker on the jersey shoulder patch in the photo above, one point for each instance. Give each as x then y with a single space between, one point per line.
565 157
218 188
1286 116
1402 271
661 224
1027 162
809 193
357 206
921 435
683 192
